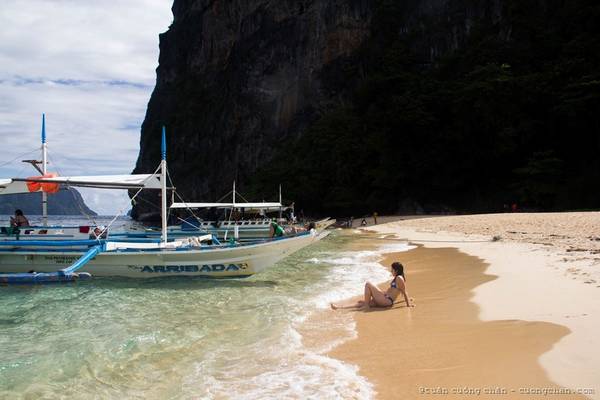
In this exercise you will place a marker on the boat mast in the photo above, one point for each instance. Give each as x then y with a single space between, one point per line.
234 194
163 179
280 203
44 169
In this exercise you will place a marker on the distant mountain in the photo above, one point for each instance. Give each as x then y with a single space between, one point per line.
65 202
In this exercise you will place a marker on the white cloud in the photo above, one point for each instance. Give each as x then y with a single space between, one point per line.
90 66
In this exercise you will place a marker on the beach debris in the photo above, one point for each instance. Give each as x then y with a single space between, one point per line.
576 249
573 270
496 238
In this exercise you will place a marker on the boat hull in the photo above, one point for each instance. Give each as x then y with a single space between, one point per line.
224 262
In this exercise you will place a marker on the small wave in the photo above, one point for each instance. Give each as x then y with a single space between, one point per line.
288 370
351 269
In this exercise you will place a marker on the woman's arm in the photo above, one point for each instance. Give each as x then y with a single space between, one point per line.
408 304
402 287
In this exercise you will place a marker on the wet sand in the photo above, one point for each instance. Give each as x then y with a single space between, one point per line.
441 348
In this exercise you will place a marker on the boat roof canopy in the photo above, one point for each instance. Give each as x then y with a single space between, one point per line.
247 206
138 181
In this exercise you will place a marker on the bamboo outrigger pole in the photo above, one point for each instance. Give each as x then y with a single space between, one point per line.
280 203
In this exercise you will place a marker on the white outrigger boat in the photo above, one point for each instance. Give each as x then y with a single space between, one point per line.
147 259
227 227
234 224
33 261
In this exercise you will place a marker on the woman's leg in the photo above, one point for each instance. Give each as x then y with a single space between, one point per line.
342 306
373 297
375 294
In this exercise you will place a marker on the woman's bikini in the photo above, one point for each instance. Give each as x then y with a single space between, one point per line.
392 285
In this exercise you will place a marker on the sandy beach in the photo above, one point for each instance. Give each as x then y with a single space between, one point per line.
507 307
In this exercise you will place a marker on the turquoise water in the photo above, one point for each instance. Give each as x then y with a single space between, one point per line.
188 338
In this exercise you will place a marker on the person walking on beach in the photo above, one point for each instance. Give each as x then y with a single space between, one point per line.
375 297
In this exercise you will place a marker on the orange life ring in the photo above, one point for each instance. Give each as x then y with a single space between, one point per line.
47 187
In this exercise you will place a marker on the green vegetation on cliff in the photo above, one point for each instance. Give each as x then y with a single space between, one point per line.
509 112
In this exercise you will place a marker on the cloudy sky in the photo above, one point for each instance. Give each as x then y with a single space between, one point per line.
89 65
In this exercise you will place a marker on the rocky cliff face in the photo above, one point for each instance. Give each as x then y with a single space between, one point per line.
236 79
239 81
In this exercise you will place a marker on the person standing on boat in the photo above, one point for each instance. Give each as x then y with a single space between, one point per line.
290 214
236 215
19 220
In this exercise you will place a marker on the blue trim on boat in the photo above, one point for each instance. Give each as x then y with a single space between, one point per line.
63 275
43 128
49 243
41 235
53 227
163 144
42 278
84 259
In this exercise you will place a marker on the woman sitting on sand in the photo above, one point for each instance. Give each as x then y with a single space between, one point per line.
374 297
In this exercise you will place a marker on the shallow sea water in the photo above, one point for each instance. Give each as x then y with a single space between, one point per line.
189 338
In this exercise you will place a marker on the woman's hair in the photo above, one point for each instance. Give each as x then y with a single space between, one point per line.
18 212
399 269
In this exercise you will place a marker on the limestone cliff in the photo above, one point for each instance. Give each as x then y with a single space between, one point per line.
238 78
391 87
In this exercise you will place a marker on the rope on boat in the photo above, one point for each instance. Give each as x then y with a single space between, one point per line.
19 156
122 211
183 201
89 217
